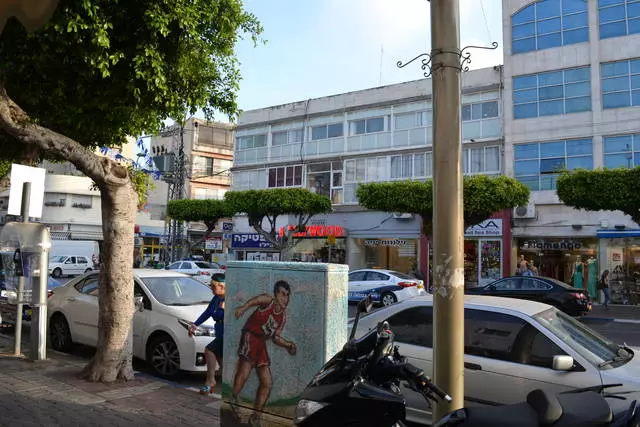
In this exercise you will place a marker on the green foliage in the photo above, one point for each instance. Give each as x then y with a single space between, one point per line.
104 69
5 168
208 211
602 190
483 196
142 183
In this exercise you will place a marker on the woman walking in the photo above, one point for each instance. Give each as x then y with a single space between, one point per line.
213 351
604 282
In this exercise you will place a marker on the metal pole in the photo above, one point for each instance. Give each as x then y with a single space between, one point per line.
447 192
39 307
26 198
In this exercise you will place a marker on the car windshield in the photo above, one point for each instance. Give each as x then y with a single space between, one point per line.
58 258
178 290
202 264
402 275
589 344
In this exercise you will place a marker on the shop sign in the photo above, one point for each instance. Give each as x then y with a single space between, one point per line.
57 227
213 244
315 231
227 226
250 241
489 227
384 242
562 245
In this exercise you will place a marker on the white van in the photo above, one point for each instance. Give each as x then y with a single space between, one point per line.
72 265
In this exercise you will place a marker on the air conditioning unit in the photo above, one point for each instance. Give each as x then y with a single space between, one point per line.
400 215
526 211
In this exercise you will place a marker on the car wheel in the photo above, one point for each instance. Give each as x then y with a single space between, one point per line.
88 270
57 273
164 356
388 298
59 333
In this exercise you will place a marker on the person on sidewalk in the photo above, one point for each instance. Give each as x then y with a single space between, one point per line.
604 283
213 351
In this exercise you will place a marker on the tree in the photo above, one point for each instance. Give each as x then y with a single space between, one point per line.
270 204
99 71
482 197
207 211
602 190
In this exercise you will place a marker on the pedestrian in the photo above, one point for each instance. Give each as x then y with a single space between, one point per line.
213 351
604 283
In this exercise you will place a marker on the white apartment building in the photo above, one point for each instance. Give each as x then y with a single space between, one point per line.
332 144
571 99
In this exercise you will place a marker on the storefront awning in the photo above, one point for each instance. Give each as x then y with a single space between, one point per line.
612 234
86 235
60 235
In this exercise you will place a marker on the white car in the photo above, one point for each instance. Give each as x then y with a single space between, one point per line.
200 270
69 265
386 287
512 347
170 302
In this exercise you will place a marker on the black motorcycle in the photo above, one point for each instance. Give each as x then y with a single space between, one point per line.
360 386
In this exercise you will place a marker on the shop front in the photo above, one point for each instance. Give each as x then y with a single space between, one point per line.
620 254
399 254
483 253
318 243
560 257
253 247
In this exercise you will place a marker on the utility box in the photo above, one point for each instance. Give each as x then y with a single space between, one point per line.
283 322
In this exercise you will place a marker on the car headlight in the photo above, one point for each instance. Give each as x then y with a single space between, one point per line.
201 331
306 408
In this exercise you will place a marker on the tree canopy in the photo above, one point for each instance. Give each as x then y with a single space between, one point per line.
602 190
483 196
207 211
272 203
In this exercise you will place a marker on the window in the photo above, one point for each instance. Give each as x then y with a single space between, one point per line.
550 93
357 276
618 17
549 23
138 292
55 199
620 82
413 326
209 193
326 179
82 260
287 137
481 160
376 276
621 151
542 350
88 286
504 285
413 120
81 201
480 110
185 266
408 166
530 284
537 165
285 176
491 335
359 127
357 171
251 141
327 131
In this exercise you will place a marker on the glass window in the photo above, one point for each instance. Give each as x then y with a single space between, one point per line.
510 284
618 18
318 132
376 276
251 141
619 151
491 335
552 93
359 127
357 276
285 176
549 23
334 130
413 326
620 81
88 286
178 291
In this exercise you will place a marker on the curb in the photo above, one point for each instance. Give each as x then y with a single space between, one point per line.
610 320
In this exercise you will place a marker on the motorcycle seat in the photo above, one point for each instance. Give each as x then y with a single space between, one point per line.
588 409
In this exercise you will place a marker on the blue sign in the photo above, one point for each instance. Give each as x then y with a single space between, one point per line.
250 241
227 226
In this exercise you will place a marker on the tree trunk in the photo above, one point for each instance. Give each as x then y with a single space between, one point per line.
112 360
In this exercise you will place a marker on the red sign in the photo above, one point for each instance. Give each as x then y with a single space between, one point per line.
316 231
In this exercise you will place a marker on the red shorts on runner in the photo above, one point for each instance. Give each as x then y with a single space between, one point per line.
254 349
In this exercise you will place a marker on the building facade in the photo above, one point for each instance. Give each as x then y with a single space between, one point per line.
572 100
332 144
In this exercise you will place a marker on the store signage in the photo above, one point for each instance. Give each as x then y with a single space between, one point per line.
562 245
250 241
384 242
57 227
227 226
489 227
213 244
315 231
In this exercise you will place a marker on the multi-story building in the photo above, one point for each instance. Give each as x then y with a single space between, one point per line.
208 157
332 144
571 100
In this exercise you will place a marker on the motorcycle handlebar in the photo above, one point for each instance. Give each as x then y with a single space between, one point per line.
436 390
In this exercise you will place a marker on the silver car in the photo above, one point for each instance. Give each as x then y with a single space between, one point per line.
511 347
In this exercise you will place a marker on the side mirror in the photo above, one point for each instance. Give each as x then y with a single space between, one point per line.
138 302
563 363
365 305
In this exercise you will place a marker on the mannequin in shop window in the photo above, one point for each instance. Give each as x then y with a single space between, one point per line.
577 277
592 279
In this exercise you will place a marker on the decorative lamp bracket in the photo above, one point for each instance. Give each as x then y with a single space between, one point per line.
463 54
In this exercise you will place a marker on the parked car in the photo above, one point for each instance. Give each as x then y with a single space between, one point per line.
572 301
201 270
512 346
170 302
386 287
63 265
8 300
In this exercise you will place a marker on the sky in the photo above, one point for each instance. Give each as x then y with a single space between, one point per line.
318 48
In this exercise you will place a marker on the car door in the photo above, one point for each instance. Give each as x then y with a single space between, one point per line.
187 268
82 264
514 357
141 321
69 266
82 309
356 280
375 280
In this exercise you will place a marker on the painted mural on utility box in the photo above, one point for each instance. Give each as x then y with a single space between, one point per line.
283 321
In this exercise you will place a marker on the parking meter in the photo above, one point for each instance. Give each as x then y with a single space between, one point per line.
24 248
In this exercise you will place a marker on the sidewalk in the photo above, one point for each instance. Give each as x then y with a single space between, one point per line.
616 313
48 393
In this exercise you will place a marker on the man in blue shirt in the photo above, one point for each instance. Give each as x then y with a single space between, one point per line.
213 351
